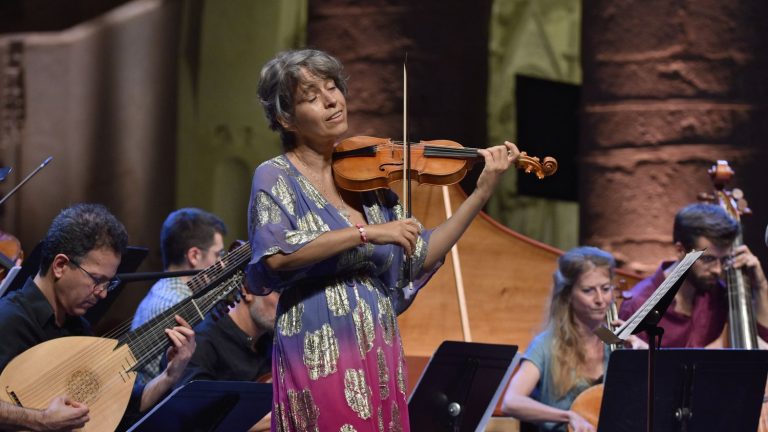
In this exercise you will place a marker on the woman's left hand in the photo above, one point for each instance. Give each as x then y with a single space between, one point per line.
497 161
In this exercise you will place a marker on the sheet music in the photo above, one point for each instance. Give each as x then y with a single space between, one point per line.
625 330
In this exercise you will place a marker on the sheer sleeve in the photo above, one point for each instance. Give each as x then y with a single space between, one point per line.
281 219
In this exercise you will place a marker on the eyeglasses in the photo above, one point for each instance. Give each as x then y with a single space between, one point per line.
220 254
99 285
709 260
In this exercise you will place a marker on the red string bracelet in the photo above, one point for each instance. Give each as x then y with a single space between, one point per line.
363 237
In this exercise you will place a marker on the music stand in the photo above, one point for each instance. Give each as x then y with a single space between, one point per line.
647 317
460 386
207 406
697 390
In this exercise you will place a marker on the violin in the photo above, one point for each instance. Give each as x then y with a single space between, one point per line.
364 163
10 253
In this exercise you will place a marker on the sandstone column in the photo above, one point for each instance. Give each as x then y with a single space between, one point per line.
669 87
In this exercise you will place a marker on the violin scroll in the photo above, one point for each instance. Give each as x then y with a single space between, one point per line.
532 164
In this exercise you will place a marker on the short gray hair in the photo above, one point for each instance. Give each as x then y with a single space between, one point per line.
280 77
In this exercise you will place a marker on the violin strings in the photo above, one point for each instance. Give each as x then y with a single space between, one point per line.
442 151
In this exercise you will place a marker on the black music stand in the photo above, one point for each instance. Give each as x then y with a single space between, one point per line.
647 318
696 390
460 386
208 406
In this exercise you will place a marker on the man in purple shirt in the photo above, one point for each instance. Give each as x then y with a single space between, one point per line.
697 315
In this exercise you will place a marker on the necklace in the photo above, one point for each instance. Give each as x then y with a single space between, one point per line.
341 206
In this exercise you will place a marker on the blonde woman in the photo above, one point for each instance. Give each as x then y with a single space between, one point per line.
567 357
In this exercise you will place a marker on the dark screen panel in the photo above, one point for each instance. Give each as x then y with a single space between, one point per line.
548 125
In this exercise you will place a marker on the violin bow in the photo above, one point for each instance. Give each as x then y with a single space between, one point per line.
458 277
407 166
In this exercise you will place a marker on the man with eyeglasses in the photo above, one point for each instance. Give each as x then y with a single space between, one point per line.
697 315
190 239
79 259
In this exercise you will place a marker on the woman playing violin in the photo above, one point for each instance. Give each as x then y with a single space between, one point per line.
567 357
338 258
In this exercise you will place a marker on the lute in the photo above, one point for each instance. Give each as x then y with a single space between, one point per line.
101 371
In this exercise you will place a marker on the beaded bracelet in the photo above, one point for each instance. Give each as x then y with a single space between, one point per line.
363 237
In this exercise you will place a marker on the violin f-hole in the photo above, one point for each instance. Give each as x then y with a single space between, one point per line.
395 164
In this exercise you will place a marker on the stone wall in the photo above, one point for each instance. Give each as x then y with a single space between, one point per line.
669 88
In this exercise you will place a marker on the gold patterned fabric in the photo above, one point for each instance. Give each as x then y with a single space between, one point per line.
337 355
289 323
387 319
268 211
395 425
321 351
364 331
357 392
337 299
303 410
381 362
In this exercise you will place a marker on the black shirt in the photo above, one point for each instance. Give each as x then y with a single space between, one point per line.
27 319
225 353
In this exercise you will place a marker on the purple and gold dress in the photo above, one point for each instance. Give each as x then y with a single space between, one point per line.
338 362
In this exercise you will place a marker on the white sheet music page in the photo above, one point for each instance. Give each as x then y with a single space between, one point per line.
622 333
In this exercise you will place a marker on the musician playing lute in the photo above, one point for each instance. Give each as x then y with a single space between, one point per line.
79 260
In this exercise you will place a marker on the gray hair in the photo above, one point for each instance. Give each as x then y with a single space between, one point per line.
280 78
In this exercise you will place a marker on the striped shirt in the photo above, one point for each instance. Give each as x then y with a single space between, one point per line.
163 294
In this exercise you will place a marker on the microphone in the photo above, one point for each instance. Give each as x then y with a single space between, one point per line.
42 165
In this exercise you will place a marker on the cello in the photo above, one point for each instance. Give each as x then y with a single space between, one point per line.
741 328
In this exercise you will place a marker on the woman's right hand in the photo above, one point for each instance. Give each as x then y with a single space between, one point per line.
577 423
632 341
403 233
